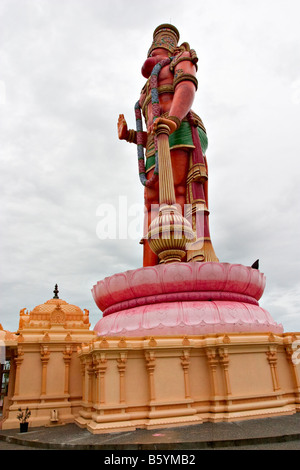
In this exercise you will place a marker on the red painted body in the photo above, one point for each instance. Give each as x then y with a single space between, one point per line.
177 103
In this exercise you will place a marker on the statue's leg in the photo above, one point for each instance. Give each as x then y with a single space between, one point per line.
180 166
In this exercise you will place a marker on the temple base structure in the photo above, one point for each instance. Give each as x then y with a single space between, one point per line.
182 344
159 382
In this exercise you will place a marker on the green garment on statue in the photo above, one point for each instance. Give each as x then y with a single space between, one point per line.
180 138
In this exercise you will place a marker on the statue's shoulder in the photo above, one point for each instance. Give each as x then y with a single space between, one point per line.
183 53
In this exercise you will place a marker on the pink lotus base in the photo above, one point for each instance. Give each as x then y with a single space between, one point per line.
183 299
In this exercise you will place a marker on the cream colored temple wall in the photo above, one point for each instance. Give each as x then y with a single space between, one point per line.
174 381
46 370
119 384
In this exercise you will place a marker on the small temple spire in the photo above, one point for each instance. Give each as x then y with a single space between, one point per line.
55 292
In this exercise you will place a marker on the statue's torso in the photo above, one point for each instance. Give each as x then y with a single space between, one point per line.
165 85
165 91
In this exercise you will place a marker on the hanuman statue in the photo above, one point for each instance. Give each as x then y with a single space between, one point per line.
167 98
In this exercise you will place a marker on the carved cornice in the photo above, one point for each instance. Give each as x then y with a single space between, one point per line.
45 354
185 359
20 356
100 364
67 353
272 355
150 360
121 361
224 356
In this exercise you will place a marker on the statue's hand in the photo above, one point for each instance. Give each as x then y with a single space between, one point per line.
122 128
171 124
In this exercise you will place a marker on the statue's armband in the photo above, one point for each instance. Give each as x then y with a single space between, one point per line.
184 56
184 68
183 77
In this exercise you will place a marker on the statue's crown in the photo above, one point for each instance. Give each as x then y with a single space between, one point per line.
165 36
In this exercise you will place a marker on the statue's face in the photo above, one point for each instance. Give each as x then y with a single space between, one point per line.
156 56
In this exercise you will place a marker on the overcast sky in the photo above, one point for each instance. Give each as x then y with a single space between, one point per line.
69 67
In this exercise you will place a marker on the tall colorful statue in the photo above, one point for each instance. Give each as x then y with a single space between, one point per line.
167 98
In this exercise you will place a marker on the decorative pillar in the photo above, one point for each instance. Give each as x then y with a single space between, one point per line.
18 361
45 356
272 359
290 357
90 371
185 362
67 355
224 360
213 363
97 378
82 368
150 365
121 367
100 367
